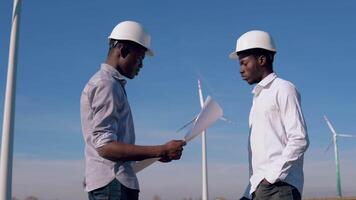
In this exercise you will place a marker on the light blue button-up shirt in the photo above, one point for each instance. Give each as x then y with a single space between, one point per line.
106 117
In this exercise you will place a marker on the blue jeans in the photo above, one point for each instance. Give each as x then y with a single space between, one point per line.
114 191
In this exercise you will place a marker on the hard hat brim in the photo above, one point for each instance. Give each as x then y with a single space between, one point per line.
233 55
149 52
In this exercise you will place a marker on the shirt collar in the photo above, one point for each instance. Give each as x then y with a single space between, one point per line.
263 83
114 73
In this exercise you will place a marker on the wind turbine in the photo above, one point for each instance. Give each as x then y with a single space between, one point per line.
336 151
205 193
9 108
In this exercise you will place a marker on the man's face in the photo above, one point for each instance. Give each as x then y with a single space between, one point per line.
250 69
133 62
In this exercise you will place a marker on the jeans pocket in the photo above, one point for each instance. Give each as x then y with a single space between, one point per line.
285 192
99 194
115 191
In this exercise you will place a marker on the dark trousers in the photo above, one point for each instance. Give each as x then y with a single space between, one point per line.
113 191
276 191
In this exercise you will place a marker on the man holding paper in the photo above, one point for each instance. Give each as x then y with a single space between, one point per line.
278 135
107 123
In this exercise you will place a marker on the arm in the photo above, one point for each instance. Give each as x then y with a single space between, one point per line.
118 151
296 133
246 194
106 102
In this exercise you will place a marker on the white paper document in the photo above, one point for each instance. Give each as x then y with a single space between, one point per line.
209 114
140 165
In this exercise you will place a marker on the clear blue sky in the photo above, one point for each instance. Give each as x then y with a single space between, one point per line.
62 43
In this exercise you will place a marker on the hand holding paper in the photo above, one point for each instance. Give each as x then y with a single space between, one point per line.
172 150
209 114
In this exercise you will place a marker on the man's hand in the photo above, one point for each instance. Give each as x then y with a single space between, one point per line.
164 160
172 150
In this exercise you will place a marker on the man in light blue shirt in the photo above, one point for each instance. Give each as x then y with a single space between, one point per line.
107 123
278 135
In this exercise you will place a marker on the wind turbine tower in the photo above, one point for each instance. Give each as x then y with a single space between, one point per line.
205 193
336 152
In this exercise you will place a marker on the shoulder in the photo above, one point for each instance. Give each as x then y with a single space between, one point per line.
103 79
286 89
101 82
285 86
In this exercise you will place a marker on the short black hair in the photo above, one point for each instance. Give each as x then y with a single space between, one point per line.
256 52
124 43
127 43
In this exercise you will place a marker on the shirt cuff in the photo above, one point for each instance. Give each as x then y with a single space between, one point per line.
101 139
275 176
272 176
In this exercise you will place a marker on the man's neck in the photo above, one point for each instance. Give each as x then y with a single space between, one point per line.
266 73
113 64
110 62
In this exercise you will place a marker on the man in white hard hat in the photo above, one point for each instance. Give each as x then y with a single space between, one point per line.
278 134
107 123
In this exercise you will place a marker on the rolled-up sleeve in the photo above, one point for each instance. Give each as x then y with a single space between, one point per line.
105 105
296 132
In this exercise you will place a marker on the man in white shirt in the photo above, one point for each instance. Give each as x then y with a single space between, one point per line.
107 122
278 135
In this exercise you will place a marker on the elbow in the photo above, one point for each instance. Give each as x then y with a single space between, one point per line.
300 144
105 153
304 144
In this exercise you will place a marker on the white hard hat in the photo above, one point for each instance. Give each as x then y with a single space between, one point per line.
251 40
132 31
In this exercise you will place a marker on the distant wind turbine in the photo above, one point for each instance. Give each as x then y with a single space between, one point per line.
336 151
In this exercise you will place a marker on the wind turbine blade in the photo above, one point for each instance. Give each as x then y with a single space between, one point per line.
346 135
226 120
187 124
193 120
329 125
327 148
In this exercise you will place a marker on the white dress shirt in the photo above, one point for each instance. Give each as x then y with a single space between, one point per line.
106 117
278 134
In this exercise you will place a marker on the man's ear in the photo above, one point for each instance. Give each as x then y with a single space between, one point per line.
124 51
262 60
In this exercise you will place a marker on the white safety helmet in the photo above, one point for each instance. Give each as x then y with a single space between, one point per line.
251 40
132 31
